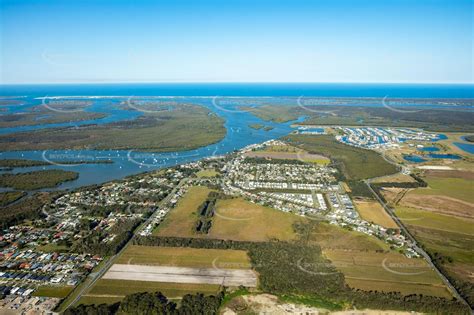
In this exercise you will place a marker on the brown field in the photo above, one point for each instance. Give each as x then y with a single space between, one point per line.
396 178
372 211
238 219
393 195
182 219
439 204
333 237
184 257
450 174
387 272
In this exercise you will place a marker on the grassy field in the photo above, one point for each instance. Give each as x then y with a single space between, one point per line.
355 160
436 221
107 290
238 219
53 291
184 257
182 219
207 173
458 188
36 179
372 211
387 272
333 237
184 128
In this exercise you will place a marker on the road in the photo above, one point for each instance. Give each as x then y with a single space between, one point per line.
419 250
97 275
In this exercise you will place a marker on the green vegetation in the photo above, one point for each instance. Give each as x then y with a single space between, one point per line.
118 289
355 163
436 221
458 188
207 173
256 126
365 270
205 213
182 219
93 243
311 301
29 208
21 163
238 219
37 179
53 291
299 269
183 128
43 116
448 240
279 114
9 197
430 119
12 163
184 257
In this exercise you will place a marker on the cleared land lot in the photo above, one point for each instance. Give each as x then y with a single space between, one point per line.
439 204
372 211
227 277
333 237
387 272
238 219
185 257
181 220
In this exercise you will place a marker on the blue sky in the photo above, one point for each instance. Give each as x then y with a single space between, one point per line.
239 41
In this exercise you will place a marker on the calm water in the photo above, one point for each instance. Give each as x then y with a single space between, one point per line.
428 149
414 158
238 133
466 147
444 156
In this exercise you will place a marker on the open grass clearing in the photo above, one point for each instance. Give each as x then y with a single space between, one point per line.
121 288
387 272
372 211
207 173
435 221
53 291
181 220
241 220
334 237
185 257
438 204
458 188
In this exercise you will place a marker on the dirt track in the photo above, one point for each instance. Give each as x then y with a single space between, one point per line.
228 277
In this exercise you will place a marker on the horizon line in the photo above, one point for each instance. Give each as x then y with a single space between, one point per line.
235 82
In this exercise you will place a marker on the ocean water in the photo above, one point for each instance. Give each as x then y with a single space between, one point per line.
239 134
246 89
